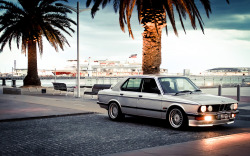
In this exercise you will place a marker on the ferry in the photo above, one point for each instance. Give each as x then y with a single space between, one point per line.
94 67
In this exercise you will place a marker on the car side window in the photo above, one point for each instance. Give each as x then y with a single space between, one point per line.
132 84
150 86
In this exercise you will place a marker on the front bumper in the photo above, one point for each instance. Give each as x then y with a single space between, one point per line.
216 118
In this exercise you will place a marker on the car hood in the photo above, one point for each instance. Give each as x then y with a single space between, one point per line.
202 99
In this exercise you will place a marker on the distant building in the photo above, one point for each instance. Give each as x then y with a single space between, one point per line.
23 72
229 71
186 72
20 72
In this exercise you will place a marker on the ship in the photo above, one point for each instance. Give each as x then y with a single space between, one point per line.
132 65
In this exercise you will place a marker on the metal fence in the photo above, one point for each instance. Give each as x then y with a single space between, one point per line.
201 81
215 81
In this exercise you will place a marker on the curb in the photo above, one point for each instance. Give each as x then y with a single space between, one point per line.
243 115
244 118
43 117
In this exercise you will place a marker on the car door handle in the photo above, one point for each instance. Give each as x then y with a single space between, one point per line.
140 95
121 94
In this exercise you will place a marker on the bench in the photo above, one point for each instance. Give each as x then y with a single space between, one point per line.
96 88
61 87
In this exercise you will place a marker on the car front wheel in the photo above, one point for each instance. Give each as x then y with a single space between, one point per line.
177 118
114 112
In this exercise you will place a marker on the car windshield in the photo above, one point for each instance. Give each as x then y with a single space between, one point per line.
177 85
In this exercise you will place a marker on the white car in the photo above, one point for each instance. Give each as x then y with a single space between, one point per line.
176 99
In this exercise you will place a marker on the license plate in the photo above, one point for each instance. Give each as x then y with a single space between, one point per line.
223 116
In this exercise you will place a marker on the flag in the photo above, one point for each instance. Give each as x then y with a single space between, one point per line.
133 56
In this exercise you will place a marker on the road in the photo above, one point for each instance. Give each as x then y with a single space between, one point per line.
95 134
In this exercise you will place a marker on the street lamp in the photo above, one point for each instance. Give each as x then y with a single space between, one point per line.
77 10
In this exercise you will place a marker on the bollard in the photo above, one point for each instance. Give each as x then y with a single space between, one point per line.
13 83
3 82
43 90
238 92
219 90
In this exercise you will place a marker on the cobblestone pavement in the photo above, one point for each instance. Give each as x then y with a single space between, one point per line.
95 134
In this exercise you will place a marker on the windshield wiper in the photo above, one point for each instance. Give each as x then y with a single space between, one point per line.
197 90
184 91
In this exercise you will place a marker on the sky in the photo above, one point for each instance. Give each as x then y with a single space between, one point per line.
225 43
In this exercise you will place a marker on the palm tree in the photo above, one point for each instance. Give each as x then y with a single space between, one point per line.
27 22
152 14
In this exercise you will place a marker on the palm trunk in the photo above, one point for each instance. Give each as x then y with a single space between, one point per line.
153 21
32 74
151 58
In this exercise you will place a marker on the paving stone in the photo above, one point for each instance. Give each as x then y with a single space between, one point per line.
96 135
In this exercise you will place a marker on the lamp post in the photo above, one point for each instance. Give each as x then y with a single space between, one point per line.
77 10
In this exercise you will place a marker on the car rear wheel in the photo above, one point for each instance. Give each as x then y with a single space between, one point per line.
114 111
177 118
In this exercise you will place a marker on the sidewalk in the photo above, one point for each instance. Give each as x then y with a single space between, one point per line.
230 145
20 107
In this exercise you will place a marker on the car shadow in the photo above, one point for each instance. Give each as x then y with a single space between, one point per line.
145 121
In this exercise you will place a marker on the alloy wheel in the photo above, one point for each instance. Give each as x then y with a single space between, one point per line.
176 118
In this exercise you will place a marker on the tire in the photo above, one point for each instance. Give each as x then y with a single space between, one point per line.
114 112
177 118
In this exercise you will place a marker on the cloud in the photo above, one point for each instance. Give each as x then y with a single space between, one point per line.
234 21
198 52
236 15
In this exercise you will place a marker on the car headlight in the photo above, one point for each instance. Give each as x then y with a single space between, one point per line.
203 109
210 108
234 106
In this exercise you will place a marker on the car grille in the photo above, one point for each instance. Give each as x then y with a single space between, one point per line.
222 107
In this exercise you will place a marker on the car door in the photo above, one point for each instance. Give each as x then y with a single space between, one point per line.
129 95
149 100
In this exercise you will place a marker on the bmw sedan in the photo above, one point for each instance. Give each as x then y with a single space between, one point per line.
175 99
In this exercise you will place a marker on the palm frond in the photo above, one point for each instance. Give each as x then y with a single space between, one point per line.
95 7
169 9
116 5
122 15
31 20
207 6
139 8
88 3
129 9
180 17
184 8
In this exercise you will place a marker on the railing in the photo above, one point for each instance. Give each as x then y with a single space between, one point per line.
225 81
102 80
201 81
